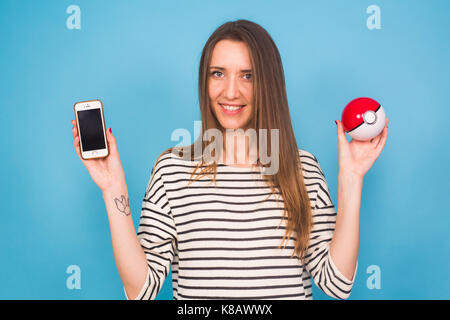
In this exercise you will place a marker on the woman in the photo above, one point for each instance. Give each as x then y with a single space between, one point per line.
232 230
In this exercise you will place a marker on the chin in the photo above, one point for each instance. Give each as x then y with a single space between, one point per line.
230 123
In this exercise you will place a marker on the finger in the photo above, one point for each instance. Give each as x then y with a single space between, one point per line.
76 144
74 128
382 142
112 143
340 132
78 151
375 140
74 132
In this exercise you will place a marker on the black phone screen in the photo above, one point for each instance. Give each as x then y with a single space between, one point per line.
91 129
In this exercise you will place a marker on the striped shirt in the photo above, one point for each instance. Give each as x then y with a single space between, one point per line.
222 241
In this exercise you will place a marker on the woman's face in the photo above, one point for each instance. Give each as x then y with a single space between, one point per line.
231 84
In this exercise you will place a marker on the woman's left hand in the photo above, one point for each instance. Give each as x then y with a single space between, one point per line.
357 157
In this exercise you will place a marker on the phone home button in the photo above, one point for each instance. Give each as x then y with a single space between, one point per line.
94 153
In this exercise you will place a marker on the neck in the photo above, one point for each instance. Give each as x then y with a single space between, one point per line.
239 148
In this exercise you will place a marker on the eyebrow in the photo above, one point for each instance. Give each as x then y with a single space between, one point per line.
221 68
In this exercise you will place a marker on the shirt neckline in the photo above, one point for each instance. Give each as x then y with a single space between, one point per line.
252 168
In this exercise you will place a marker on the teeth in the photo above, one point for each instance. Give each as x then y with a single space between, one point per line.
231 108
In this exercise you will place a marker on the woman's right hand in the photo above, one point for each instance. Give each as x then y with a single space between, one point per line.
106 172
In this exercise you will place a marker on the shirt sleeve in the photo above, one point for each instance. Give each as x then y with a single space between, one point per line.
317 260
157 235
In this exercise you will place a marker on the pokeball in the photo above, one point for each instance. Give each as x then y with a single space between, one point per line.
363 119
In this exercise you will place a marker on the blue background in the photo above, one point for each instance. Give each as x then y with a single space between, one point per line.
141 59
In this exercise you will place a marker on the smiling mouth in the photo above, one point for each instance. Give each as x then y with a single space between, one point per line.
232 108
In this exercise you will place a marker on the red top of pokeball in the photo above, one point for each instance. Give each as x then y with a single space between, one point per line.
353 113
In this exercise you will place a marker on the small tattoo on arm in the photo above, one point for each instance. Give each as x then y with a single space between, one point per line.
123 205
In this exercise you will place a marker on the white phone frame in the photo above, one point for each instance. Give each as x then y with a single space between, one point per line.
89 105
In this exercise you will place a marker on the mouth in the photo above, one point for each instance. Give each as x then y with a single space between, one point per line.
231 109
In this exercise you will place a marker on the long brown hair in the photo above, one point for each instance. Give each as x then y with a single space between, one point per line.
270 111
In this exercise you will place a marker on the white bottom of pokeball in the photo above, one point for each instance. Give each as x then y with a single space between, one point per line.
372 126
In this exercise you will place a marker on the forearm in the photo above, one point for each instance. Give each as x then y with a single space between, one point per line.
345 243
130 258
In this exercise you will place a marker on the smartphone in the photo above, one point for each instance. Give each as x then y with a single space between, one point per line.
91 129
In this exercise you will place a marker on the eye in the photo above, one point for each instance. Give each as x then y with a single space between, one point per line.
217 73
248 76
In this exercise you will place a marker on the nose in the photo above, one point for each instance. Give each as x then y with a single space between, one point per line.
232 89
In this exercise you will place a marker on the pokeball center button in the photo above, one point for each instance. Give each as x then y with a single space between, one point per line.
370 117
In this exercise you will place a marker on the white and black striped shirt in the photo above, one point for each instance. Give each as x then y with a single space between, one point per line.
222 241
